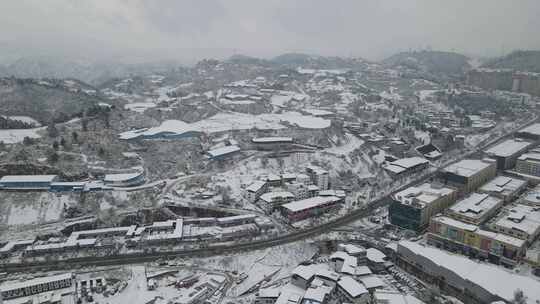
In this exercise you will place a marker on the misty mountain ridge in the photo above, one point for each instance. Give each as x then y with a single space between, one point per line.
90 72
46 99
436 62
521 60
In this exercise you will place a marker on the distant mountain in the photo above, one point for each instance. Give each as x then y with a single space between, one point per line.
90 72
517 60
295 60
45 99
435 62
243 59
298 59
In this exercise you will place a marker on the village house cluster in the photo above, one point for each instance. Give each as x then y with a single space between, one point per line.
296 196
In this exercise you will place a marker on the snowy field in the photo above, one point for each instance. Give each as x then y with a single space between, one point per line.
12 136
42 209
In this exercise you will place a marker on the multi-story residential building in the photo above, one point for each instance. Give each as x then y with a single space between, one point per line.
531 198
302 209
529 164
299 190
255 190
518 220
272 200
470 281
35 286
476 208
413 207
504 187
507 152
457 236
318 176
469 174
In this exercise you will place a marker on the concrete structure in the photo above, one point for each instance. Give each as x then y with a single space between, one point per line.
529 164
507 152
469 174
309 207
319 176
504 187
27 182
35 286
351 291
255 190
124 179
413 207
520 221
223 152
476 208
457 236
532 197
470 281
531 132
406 166
272 143
272 200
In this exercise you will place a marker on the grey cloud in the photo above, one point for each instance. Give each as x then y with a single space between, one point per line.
170 29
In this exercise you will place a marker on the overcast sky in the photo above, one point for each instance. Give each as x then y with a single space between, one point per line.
175 29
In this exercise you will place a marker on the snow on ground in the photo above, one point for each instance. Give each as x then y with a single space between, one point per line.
40 209
391 95
139 106
251 169
13 136
234 121
425 94
23 215
474 139
261 263
423 136
352 143
137 291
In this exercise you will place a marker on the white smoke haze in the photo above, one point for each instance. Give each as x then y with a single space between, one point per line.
137 30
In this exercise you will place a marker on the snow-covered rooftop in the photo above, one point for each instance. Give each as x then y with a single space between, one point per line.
223 151
422 195
271 139
352 287
311 202
496 280
33 282
467 167
255 186
508 147
475 206
532 129
521 218
28 178
503 185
